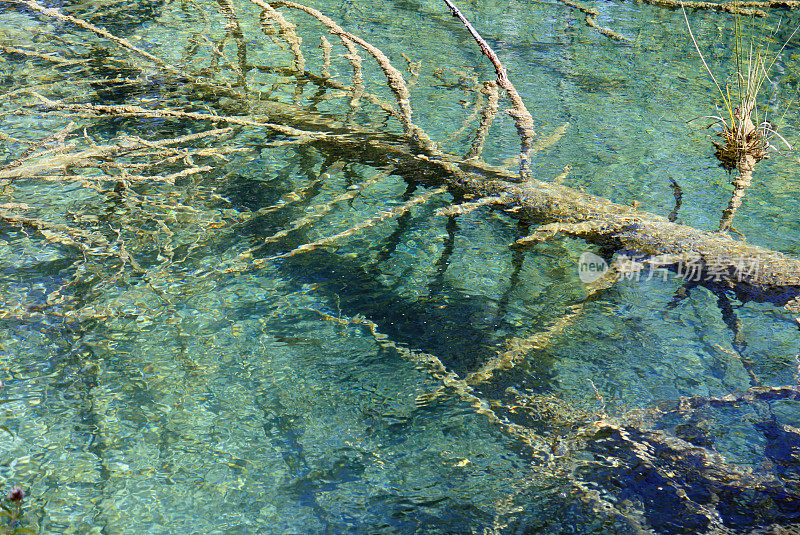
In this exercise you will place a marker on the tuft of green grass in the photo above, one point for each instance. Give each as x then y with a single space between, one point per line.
740 99
746 130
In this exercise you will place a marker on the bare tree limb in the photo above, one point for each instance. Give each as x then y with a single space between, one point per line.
520 113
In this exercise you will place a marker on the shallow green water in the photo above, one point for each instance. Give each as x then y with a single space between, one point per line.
196 397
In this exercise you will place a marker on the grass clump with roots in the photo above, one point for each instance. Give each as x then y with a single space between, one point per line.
746 131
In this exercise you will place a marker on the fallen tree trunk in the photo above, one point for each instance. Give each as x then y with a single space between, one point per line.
703 257
714 258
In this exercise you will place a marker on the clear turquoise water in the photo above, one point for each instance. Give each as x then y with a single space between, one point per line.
204 400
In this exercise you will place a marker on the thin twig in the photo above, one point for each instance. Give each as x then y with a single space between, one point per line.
375 220
138 111
591 21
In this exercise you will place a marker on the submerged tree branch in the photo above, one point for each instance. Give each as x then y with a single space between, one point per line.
520 113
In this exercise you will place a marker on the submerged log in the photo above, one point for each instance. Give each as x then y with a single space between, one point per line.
704 257
653 243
